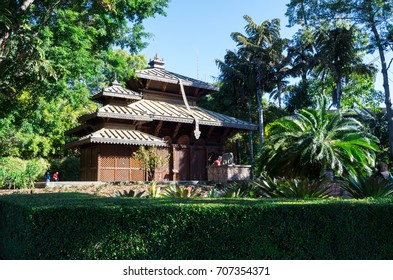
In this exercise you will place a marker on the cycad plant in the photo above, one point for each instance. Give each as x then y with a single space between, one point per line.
364 187
313 140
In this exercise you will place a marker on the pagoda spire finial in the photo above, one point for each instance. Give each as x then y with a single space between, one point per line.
156 62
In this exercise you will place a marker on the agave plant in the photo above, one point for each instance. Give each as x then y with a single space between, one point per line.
153 190
130 193
363 187
181 191
293 188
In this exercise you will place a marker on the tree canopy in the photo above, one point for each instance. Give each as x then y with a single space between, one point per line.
53 55
373 18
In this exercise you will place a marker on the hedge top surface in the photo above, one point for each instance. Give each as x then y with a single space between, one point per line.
81 200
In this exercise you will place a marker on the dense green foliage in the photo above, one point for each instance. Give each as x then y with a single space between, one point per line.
18 173
313 140
326 56
75 226
68 168
371 18
53 55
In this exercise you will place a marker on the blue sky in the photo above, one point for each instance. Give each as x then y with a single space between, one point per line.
197 32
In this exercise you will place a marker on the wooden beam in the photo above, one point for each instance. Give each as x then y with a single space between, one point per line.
164 86
196 92
158 128
176 131
148 82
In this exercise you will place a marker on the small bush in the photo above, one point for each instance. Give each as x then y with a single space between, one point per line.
18 173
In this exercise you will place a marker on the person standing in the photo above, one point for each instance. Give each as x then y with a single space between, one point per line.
217 162
56 176
47 176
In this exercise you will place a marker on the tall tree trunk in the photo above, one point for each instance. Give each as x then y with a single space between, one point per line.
339 93
250 135
260 117
279 92
385 76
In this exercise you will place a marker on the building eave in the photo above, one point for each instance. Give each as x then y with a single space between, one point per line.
117 137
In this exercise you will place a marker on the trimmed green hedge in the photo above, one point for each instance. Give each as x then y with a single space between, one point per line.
80 226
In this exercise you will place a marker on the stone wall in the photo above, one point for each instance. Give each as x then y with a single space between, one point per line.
225 173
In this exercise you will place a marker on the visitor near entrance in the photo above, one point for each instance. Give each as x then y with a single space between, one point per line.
47 177
56 176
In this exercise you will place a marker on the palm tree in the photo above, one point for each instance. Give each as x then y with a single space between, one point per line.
302 53
281 69
313 140
338 53
257 47
239 79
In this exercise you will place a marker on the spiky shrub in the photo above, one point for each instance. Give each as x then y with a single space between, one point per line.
181 191
153 191
130 193
363 187
241 190
293 188
213 193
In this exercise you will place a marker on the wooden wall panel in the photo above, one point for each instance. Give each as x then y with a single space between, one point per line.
117 164
198 163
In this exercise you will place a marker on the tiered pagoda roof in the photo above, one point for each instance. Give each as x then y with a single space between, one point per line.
117 91
124 110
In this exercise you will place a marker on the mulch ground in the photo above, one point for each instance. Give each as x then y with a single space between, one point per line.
104 190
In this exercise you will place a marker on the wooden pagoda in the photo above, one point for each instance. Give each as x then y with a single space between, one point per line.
158 108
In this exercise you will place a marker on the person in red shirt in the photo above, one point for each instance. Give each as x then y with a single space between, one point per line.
56 176
217 162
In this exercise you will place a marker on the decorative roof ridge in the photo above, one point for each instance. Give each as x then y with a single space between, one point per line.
117 90
161 74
